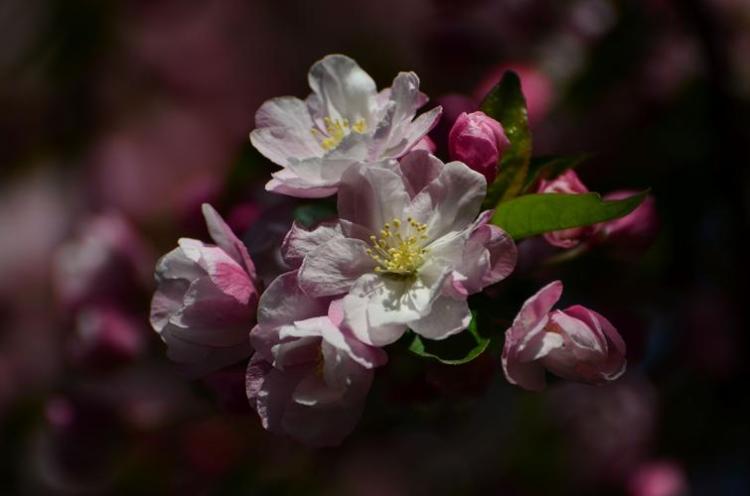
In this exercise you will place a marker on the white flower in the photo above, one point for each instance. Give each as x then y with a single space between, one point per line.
407 251
344 121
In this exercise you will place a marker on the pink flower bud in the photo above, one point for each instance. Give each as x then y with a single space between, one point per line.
638 229
479 141
576 344
566 183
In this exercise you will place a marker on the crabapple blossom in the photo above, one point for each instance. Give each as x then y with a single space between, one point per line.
576 344
566 183
344 121
206 299
479 141
309 376
409 247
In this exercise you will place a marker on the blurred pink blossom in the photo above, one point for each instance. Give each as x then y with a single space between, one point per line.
658 478
536 86
635 231
608 430
576 344
478 141
106 336
106 260
152 166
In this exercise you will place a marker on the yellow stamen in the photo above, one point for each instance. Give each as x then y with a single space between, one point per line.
336 130
396 253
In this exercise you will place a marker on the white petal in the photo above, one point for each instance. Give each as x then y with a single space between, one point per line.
284 131
345 90
372 194
451 201
446 318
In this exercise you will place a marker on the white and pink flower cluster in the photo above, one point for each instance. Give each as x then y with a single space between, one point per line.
409 245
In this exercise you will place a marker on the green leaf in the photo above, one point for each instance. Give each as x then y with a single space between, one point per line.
455 350
506 104
550 167
530 215
311 214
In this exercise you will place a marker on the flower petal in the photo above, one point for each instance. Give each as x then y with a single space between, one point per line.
447 317
332 268
225 239
451 201
371 195
284 130
286 182
299 242
356 313
345 90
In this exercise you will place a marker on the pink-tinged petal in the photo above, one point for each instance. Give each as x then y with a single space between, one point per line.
299 242
537 308
587 342
451 201
419 168
284 130
372 194
199 360
525 340
284 302
345 90
332 268
268 391
425 144
272 392
615 363
176 265
343 339
227 275
285 182
503 254
166 301
413 132
329 424
446 318
528 375
489 255
209 317
225 239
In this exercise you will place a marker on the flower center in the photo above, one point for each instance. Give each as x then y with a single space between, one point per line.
396 253
336 130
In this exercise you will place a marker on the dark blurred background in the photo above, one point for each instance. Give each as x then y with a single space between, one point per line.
118 119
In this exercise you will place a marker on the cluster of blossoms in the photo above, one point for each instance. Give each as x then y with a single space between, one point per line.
410 244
